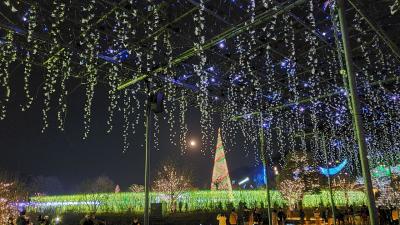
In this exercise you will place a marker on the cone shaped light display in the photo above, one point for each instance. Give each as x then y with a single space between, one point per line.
220 177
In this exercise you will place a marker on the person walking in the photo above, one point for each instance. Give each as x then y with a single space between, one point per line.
364 215
301 215
221 219
281 216
21 220
135 221
317 216
274 217
233 217
251 217
87 220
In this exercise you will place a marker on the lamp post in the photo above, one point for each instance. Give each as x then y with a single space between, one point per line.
265 165
147 159
350 81
329 180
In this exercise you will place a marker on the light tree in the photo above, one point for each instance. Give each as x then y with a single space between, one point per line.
172 183
12 192
389 192
299 165
136 188
292 191
346 185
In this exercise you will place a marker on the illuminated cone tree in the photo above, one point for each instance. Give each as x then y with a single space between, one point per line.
220 177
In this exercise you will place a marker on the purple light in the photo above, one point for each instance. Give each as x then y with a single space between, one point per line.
394 98
306 85
266 125
221 44
216 98
211 69
213 79
24 19
302 109
323 33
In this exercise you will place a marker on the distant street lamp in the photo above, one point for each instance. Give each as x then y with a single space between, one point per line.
193 143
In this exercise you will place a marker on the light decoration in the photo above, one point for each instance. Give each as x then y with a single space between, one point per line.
54 62
344 184
88 58
121 28
11 6
202 97
7 200
136 188
172 183
395 7
8 55
331 171
245 180
292 191
62 101
30 54
288 86
220 176
183 104
196 200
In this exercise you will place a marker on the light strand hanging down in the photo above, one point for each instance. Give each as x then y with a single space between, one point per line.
8 55
30 55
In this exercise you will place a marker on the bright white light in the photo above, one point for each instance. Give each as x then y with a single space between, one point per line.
192 143
244 181
58 219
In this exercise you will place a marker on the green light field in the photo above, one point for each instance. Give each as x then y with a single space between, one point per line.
195 201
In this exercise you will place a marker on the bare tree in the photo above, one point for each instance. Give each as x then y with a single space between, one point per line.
172 182
102 184
95 192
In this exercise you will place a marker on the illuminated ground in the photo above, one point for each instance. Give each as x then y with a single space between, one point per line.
192 201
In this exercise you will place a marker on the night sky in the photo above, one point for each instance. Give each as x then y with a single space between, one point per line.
70 158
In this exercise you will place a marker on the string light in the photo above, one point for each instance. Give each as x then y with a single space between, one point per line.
8 55
30 55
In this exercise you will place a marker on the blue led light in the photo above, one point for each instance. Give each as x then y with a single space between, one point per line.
221 44
333 170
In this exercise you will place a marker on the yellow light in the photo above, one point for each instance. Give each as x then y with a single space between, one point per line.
192 143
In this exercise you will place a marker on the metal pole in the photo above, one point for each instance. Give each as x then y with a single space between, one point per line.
355 109
147 160
329 180
264 160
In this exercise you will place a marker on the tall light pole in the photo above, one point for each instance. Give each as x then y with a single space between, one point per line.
265 165
350 79
329 180
147 159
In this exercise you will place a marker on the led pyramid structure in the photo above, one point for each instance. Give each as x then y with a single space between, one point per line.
220 176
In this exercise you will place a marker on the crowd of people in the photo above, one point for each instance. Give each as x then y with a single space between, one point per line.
24 219
318 216
255 216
